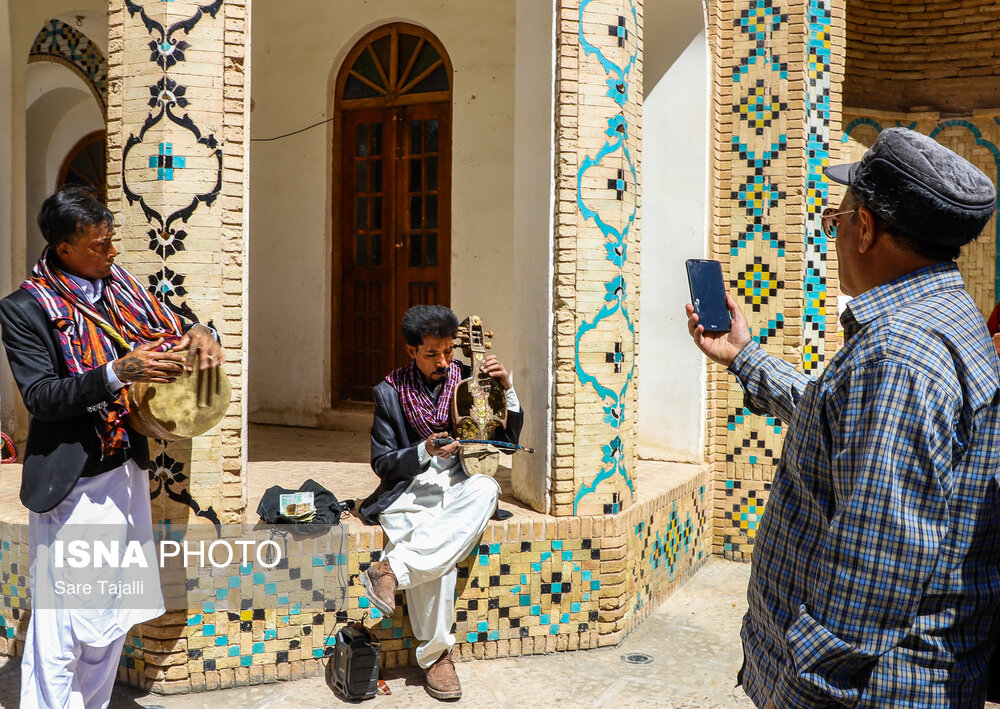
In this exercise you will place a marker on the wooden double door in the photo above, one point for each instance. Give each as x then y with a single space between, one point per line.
395 232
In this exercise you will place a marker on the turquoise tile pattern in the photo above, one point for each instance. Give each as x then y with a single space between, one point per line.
59 42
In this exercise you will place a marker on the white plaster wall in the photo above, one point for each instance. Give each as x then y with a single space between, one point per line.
61 110
82 119
675 153
20 23
297 50
8 397
534 161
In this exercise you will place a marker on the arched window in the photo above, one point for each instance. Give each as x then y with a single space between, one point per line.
392 195
398 64
86 164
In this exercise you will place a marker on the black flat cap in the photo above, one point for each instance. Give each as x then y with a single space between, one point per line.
921 187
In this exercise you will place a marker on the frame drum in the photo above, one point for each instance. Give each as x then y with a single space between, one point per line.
185 408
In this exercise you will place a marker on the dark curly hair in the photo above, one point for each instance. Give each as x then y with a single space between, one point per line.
434 320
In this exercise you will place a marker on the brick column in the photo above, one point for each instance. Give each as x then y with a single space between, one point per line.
177 178
599 107
778 68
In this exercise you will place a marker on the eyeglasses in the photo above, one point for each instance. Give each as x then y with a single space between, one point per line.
830 221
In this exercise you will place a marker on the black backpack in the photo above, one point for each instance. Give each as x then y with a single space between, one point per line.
353 668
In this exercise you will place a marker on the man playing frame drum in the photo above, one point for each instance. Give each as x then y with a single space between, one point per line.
77 333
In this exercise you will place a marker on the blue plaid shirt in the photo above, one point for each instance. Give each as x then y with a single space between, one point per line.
876 569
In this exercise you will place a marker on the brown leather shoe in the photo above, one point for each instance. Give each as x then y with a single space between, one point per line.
380 586
441 680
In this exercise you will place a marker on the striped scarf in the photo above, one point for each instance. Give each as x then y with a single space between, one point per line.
425 415
87 338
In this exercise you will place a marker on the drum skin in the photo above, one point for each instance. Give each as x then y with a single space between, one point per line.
479 459
187 407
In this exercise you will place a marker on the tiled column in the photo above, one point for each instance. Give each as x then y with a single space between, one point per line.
778 68
177 133
599 105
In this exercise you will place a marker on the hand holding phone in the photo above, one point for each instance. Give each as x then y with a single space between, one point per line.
708 294
730 332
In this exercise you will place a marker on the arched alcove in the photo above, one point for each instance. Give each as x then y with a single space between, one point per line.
61 110
65 100
59 42
675 119
298 50
52 75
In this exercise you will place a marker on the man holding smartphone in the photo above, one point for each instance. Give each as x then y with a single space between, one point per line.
876 568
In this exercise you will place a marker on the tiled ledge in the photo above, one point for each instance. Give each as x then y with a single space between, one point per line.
536 584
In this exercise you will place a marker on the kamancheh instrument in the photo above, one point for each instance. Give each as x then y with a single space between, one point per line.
479 406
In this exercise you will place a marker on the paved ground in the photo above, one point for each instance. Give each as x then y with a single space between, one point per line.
693 638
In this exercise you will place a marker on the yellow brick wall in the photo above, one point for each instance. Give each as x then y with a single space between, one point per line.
599 84
182 226
939 56
177 117
777 71
976 138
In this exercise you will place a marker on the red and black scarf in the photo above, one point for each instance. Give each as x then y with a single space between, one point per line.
425 415
87 338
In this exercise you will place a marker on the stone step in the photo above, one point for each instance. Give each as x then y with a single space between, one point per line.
349 416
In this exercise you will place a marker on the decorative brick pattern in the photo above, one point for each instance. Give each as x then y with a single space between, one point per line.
177 154
63 44
667 545
14 589
975 138
177 133
815 246
599 70
743 507
534 586
777 73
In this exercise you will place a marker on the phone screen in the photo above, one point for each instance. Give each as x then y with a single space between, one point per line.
708 294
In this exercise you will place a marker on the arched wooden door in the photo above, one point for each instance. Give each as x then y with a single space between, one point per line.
392 196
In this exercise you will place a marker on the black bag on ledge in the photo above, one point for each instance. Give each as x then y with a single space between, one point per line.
328 508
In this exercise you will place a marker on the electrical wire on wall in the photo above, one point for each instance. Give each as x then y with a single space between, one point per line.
294 132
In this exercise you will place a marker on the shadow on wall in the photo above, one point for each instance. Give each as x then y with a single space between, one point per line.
676 25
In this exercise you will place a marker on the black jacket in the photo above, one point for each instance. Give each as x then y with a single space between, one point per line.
63 440
394 448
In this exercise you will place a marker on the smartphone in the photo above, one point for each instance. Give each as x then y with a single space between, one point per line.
708 294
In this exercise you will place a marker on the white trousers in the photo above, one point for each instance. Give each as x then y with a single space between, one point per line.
63 675
73 647
431 527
